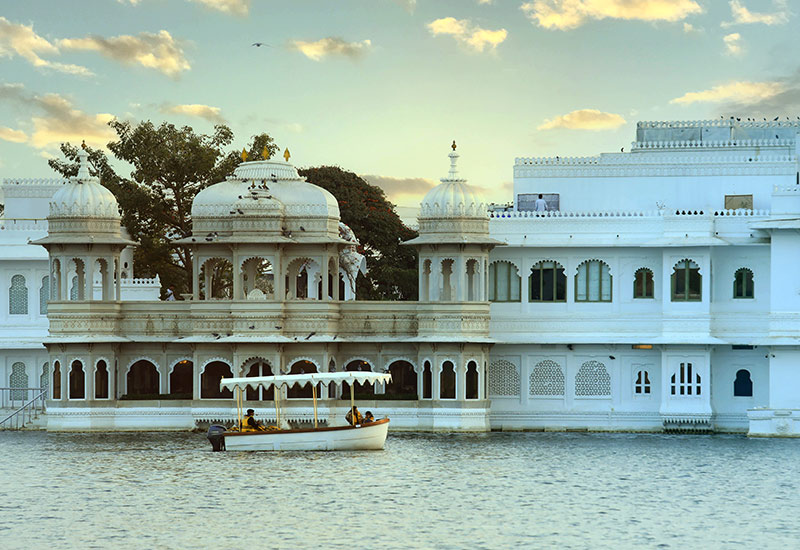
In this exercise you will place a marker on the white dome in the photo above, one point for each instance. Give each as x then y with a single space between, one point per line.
83 196
453 198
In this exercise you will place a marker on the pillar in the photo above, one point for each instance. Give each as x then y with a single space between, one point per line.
195 277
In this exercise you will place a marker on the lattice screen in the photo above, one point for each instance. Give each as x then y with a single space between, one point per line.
44 295
547 378
593 380
44 380
503 379
18 379
18 296
73 292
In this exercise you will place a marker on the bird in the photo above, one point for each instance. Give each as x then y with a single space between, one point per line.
776 118
738 119
310 335
302 228
215 335
622 149
251 327
278 328
777 137
274 178
239 210
259 44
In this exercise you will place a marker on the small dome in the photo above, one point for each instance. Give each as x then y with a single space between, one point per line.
452 198
84 196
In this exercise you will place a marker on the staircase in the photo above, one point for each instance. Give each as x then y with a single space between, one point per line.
20 408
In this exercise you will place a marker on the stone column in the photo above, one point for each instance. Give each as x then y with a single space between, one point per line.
89 372
324 271
237 275
88 278
461 379
195 276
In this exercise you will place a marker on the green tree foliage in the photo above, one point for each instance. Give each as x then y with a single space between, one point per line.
169 166
364 208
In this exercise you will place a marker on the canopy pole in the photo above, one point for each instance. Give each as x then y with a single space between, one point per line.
275 395
352 402
314 397
239 405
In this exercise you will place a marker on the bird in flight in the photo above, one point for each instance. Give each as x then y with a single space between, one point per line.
259 44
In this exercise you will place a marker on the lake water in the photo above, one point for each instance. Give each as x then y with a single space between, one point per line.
499 490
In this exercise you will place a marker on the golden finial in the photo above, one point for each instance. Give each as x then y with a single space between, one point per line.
83 145
244 154
265 153
454 145
286 154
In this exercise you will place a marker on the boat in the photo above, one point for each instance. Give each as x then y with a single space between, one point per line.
359 437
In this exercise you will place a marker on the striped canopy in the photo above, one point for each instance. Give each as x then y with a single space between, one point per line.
291 380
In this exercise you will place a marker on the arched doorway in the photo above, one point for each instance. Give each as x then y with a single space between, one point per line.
209 380
472 380
77 381
404 382
447 379
296 392
260 367
101 380
427 381
142 380
180 380
56 389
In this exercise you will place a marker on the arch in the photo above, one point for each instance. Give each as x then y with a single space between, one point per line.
504 379
358 364
404 381
101 379
77 380
44 295
685 381
77 269
447 380
427 380
257 274
181 377
593 281
641 385
56 389
18 296
258 366
216 279
686 281
213 371
643 283
593 380
302 366
446 293
743 287
547 379
405 358
302 279
142 379
547 282
472 380
472 293
505 284
743 385
18 381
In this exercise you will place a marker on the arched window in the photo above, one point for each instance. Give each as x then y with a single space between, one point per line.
404 381
180 380
142 380
362 390
44 295
685 381
593 380
743 283
547 379
504 282
446 294
687 282
18 382
593 282
427 381
209 380
101 380
77 381
642 384
503 379
56 390
447 387
547 283
743 385
260 368
296 392
643 283
18 296
472 381
216 279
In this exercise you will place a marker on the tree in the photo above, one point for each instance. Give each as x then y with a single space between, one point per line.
170 165
364 208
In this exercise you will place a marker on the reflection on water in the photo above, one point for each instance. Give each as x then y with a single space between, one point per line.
424 491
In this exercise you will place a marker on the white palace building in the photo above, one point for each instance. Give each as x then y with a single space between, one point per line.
659 291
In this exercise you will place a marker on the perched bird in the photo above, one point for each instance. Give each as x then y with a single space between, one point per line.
302 228
239 210
622 149
251 327
215 335
278 328
310 335
776 118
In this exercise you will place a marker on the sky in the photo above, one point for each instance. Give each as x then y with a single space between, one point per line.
383 87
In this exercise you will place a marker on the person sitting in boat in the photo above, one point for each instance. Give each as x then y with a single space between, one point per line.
368 418
354 416
250 424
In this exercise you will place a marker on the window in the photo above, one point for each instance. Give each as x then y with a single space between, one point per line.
686 282
547 283
743 385
472 381
547 379
447 379
685 381
642 384
643 283
427 381
527 201
101 380
593 282
44 295
77 381
18 382
18 296
738 202
503 379
593 380
504 282
743 283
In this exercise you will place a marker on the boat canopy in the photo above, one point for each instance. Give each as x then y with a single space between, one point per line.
302 380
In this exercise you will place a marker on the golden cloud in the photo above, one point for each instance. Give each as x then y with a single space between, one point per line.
212 114
466 33
584 119
745 92
743 16
569 14
733 44
331 46
21 40
14 136
234 7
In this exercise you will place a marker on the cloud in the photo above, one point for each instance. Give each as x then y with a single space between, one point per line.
155 51
211 114
14 136
331 45
733 44
743 16
688 28
21 40
58 119
467 34
570 14
401 187
739 92
233 7
409 5
584 119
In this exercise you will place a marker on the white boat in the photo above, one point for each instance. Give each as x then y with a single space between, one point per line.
360 437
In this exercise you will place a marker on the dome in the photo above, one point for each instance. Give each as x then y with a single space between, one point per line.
83 196
452 198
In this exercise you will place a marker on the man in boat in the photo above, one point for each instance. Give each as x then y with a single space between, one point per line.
250 424
368 417
353 416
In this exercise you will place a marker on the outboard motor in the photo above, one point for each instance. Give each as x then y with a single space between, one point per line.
216 435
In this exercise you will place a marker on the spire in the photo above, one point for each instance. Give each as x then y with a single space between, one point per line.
83 165
453 174
286 154
244 155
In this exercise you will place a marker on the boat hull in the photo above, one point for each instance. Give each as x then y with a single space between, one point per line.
366 437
